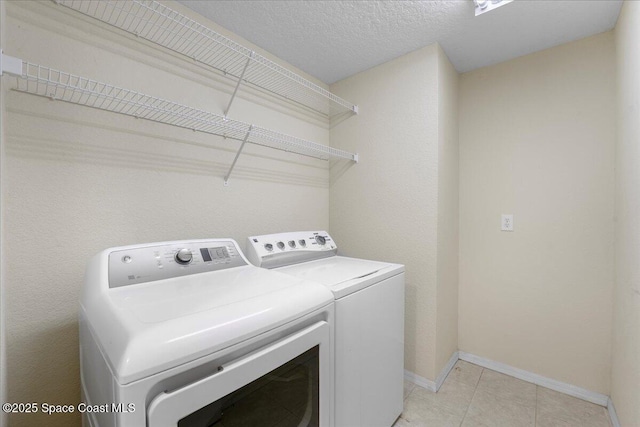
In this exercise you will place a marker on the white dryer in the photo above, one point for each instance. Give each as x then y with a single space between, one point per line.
189 334
369 324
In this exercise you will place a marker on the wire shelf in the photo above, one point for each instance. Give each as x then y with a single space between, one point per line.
159 24
58 85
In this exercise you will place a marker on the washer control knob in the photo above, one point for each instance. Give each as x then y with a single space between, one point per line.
320 240
184 256
292 243
280 245
268 247
302 242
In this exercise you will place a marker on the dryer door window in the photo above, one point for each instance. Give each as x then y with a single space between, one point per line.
286 396
287 383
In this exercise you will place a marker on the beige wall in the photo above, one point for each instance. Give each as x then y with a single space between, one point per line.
80 180
387 206
537 141
625 374
448 171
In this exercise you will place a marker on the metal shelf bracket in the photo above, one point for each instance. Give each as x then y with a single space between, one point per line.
235 91
10 65
244 141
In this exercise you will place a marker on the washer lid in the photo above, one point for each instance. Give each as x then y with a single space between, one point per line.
335 270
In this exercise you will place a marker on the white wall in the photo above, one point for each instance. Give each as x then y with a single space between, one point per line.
387 206
625 373
537 141
79 180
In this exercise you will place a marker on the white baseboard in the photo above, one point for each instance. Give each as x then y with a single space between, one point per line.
615 422
571 390
445 371
421 381
432 385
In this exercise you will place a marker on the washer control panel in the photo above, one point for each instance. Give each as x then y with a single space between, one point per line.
147 263
277 250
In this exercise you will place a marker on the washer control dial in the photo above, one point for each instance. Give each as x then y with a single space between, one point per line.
302 242
292 243
184 256
320 240
280 245
268 247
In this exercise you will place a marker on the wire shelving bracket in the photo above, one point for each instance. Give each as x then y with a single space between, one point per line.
235 90
10 64
166 27
235 159
58 85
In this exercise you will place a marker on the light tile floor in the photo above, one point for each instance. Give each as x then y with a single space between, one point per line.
473 396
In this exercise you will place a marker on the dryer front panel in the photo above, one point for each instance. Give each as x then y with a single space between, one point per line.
288 382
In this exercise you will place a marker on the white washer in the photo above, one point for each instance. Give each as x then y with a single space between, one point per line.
189 334
369 325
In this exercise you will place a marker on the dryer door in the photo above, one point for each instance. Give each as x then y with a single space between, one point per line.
288 382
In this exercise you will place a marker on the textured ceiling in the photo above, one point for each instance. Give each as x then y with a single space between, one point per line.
334 39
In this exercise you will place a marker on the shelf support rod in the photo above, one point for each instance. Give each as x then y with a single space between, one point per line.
244 141
10 65
235 91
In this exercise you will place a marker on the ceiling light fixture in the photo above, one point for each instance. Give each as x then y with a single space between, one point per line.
483 6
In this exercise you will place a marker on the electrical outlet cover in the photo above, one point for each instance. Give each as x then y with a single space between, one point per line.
507 222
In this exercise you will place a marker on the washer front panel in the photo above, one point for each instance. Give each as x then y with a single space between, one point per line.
277 250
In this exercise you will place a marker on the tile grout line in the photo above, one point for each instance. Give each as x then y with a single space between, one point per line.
409 394
474 393
535 414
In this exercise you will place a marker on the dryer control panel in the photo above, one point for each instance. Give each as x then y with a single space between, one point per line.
277 250
156 261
